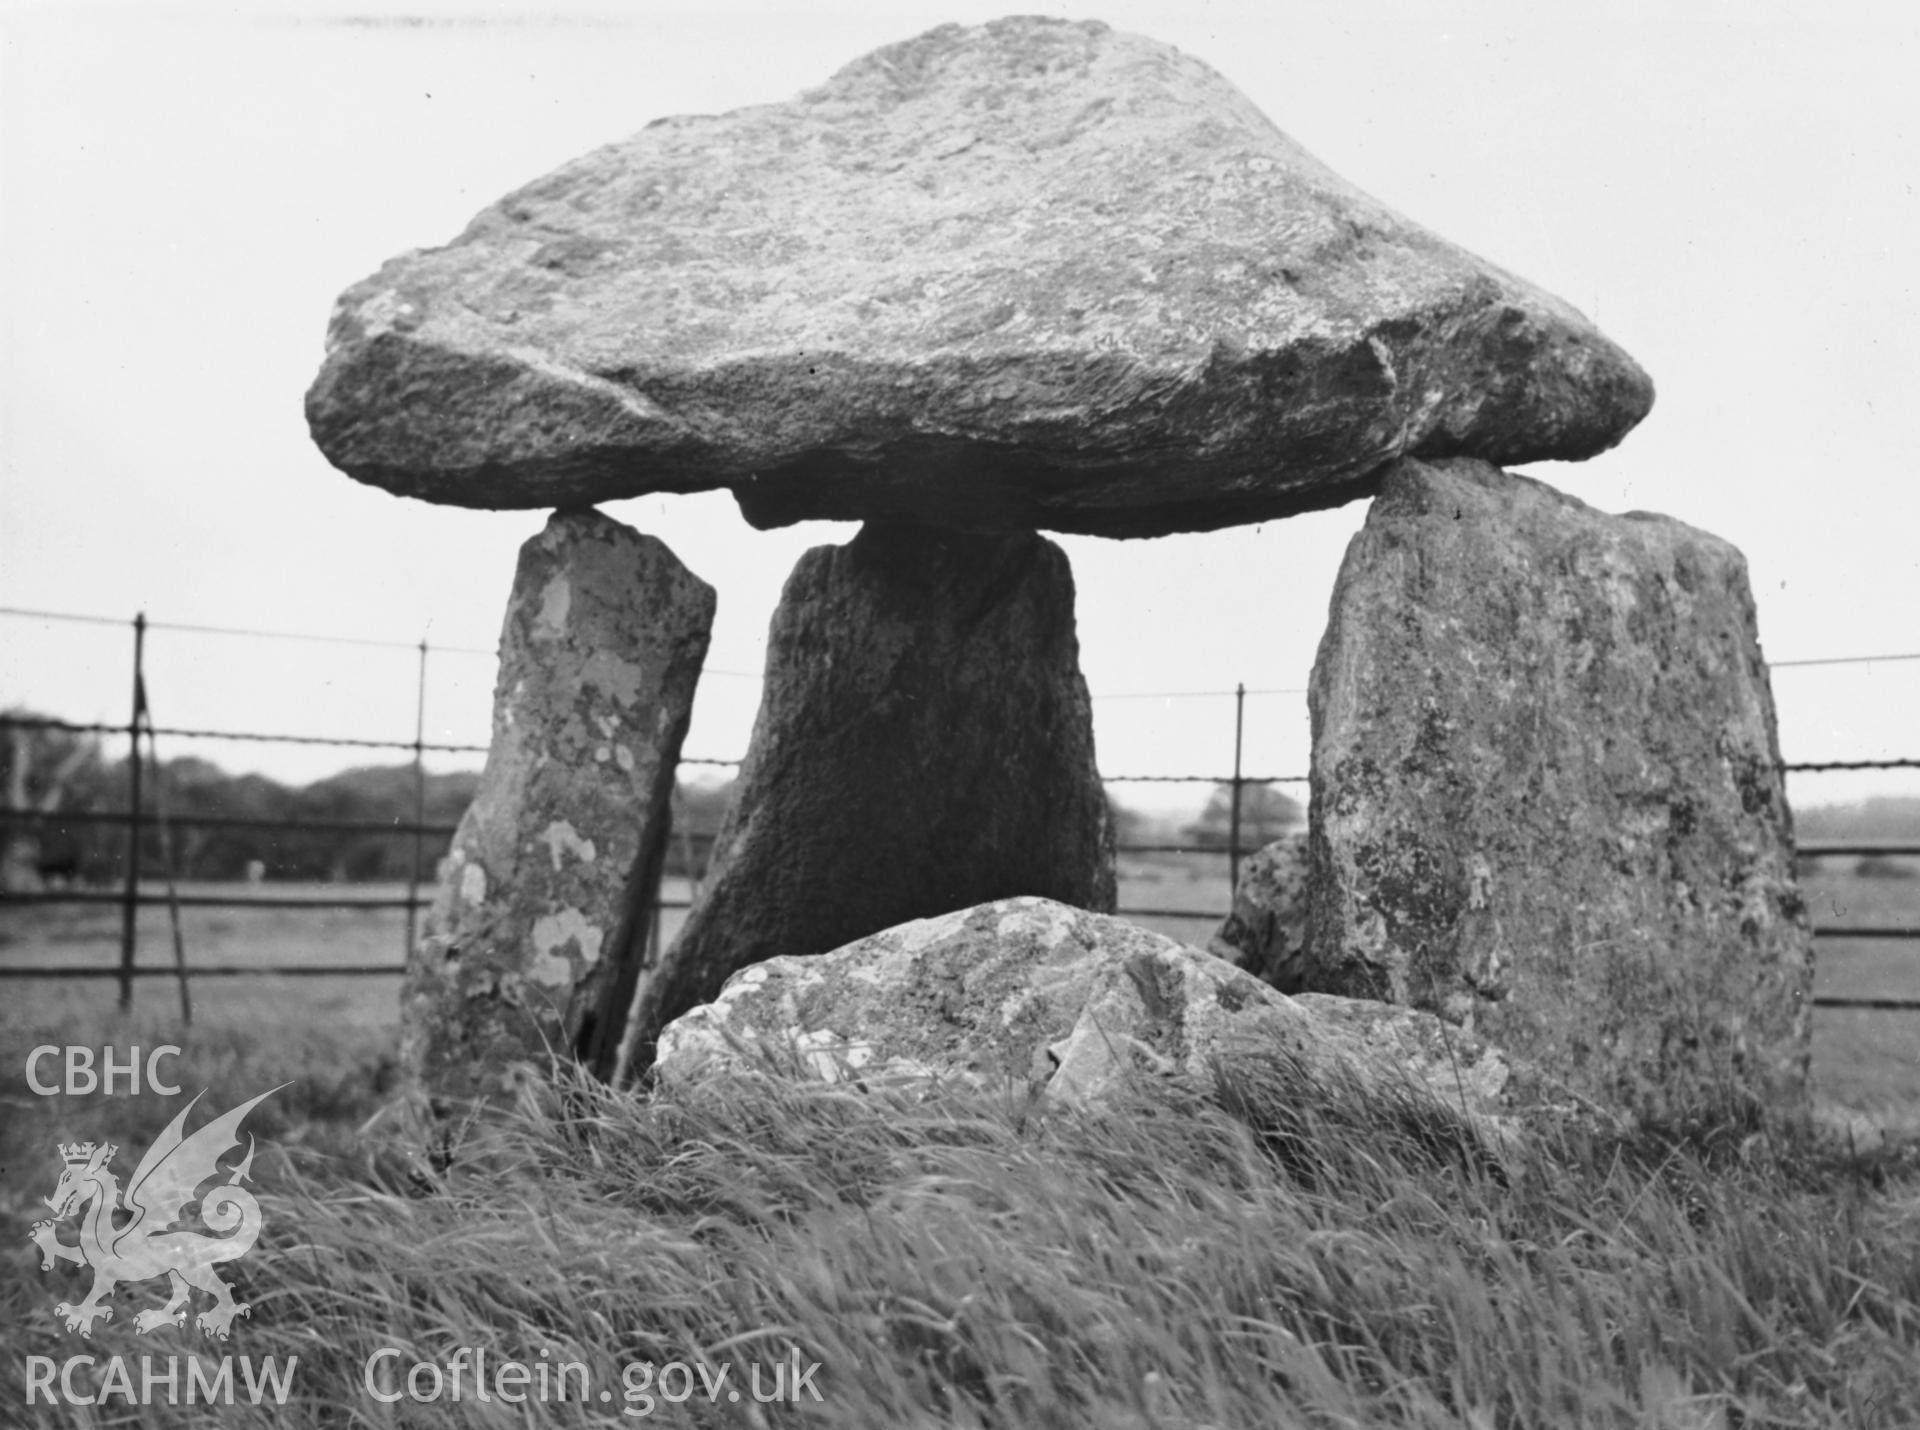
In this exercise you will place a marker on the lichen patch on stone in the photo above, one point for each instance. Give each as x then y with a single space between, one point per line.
620 680
552 933
555 602
921 933
832 1058
561 839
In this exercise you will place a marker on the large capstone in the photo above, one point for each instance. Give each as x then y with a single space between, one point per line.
1029 275
526 951
1547 800
924 743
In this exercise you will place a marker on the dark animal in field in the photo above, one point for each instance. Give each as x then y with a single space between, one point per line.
59 870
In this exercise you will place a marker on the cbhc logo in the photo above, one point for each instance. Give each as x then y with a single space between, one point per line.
82 1079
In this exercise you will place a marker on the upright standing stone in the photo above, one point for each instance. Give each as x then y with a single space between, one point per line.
525 949
1547 799
924 744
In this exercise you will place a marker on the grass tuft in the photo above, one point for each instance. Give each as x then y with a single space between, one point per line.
1292 1255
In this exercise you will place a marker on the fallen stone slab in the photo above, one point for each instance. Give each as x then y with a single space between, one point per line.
1265 932
1457 1066
1547 796
924 743
1035 274
525 951
1085 1009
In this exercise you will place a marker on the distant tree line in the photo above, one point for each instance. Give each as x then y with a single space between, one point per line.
59 775
1266 813
63 776
1884 818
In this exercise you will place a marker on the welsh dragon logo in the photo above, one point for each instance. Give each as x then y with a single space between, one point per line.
148 1243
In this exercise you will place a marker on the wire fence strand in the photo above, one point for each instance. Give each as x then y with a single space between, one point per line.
388 643
134 896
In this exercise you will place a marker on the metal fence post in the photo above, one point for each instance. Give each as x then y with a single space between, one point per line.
419 796
130 899
1233 821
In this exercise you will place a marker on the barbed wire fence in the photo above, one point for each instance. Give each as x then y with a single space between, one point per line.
136 818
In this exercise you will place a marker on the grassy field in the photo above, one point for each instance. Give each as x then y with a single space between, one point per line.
1864 1059
1278 1259
1867 1059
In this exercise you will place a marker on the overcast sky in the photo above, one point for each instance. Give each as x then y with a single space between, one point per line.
1728 189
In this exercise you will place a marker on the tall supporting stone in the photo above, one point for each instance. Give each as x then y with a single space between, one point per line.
924 744
527 948
1547 800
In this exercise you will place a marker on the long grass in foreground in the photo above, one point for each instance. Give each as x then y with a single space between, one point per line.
960 1259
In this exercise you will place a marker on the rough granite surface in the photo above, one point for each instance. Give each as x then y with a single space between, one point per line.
1083 1008
1035 274
1547 801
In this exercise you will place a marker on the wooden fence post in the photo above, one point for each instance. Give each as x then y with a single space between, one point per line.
419 796
1233 822
130 898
